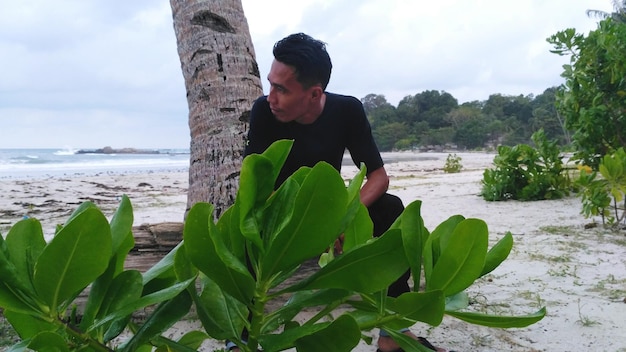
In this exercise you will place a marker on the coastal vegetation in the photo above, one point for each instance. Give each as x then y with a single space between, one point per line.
40 281
584 115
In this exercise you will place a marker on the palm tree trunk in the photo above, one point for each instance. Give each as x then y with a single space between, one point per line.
222 80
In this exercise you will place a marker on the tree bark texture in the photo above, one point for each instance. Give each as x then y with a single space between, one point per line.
222 81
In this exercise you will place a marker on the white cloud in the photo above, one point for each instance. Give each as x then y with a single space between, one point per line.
95 73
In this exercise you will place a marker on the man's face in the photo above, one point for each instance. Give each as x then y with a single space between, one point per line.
288 99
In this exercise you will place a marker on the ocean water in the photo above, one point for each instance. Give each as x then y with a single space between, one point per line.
33 163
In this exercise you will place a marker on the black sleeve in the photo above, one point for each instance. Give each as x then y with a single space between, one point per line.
361 143
258 136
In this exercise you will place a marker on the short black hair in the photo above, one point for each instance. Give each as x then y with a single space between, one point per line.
307 56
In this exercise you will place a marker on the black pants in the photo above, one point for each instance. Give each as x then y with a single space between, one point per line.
383 213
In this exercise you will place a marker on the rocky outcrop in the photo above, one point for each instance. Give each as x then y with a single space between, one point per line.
109 150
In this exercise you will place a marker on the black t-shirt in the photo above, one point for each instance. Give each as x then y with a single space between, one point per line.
342 125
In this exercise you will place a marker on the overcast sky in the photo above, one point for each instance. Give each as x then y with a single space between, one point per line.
95 73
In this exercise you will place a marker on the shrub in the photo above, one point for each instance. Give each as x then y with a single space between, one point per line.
525 173
604 194
242 262
453 164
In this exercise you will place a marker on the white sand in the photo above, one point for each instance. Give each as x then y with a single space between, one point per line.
578 274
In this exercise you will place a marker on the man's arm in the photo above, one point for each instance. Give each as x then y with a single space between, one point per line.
375 186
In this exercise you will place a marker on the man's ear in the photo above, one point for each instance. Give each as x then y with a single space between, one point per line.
317 92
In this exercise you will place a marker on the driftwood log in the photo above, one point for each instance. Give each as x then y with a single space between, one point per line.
152 243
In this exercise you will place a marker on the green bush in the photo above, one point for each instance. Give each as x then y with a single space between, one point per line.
604 194
526 173
231 269
453 164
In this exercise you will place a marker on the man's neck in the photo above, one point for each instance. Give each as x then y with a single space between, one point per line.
315 113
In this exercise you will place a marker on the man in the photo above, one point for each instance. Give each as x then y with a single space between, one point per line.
323 125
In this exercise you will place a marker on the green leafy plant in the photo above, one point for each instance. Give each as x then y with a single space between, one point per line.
603 194
232 268
453 164
526 173
246 258
40 283
593 98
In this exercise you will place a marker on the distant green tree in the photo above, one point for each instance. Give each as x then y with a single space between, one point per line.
494 105
431 106
373 101
546 117
387 135
462 114
438 136
472 133
515 112
435 106
593 97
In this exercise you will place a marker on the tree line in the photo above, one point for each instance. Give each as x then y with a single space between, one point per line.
435 119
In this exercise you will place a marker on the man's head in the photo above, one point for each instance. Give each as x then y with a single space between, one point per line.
307 56
298 79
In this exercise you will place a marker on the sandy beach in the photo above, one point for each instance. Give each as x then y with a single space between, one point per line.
578 274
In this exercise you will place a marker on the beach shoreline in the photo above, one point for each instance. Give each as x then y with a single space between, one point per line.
578 274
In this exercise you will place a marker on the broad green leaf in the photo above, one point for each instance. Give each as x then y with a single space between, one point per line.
27 325
318 210
221 315
164 344
301 300
193 339
432 246
278 211
228 226
24 244
457 302
341 335
360 229
182 265
354 187
338 336
498 253
81 208
97 294
14 289
254 190
201 250
11 299
369 268
121 233
122 242
165 315
75 257
143 302
356 223
48 341
427 307
277 152
235 264
462 260
163 267
125 289
414 236
406 342
445 231
496 321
